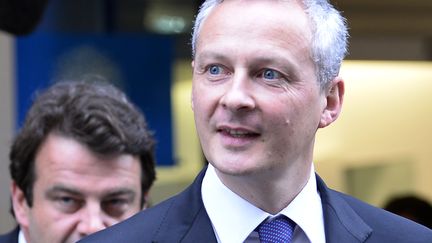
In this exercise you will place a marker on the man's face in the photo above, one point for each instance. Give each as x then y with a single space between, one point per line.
77 192
256 100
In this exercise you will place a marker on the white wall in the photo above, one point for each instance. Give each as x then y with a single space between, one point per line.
381 143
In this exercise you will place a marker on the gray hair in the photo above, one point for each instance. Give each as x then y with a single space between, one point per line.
329 36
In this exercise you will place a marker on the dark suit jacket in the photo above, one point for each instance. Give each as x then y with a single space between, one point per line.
11 237
183 218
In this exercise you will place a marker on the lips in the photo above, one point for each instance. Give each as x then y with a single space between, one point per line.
237 138
237 132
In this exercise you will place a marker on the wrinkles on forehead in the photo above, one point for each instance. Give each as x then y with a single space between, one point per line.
250 17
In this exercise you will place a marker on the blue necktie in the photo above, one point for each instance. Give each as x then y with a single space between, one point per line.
278 230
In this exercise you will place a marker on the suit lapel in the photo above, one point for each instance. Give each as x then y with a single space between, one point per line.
186 219
201 229
342 223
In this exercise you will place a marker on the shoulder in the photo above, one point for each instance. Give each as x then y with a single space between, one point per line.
10 237
385 225
139 228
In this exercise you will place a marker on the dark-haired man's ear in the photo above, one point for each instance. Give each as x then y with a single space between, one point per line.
19 206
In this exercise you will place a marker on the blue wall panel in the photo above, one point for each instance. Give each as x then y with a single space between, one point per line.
140 64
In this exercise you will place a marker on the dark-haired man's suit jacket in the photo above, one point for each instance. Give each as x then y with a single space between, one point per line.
183 218
11 237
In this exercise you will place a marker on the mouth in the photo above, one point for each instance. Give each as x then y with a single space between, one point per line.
237 138
238 133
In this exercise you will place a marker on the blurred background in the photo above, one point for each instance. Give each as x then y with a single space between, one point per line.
378 149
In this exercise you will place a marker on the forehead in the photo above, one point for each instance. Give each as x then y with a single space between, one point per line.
257 18
64 161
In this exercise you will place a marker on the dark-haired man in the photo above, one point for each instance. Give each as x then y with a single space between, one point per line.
83 161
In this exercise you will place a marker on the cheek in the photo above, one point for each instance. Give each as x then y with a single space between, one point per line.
199 114
45 216
132 211
41 207
203 105
196 100
46 226
291 118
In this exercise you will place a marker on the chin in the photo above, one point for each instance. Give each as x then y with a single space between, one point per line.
235 168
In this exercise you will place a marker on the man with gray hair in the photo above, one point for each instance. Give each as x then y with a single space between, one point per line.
265 79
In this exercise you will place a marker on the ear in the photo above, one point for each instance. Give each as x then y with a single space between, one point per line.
20 206
334 95
192 98
147 199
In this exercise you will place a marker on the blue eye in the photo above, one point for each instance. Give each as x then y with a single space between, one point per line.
215 70
270 74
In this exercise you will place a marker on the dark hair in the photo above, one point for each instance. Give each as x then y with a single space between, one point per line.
95 114
412 207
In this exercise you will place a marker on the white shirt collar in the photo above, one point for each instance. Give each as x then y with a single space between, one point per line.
21 238
234 218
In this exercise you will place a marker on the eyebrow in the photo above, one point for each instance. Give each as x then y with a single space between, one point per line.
62 189
269 60
111 193
120 192
212 55
278 60
274 58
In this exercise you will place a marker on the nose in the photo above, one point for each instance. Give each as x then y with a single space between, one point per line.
238 94
91 220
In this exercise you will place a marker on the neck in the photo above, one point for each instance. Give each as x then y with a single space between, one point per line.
271 190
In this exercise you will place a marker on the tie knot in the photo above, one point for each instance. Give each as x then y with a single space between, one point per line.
278 230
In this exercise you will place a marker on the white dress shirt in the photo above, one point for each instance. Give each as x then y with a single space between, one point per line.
235 219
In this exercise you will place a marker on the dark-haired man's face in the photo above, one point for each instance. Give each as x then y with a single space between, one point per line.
77 192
